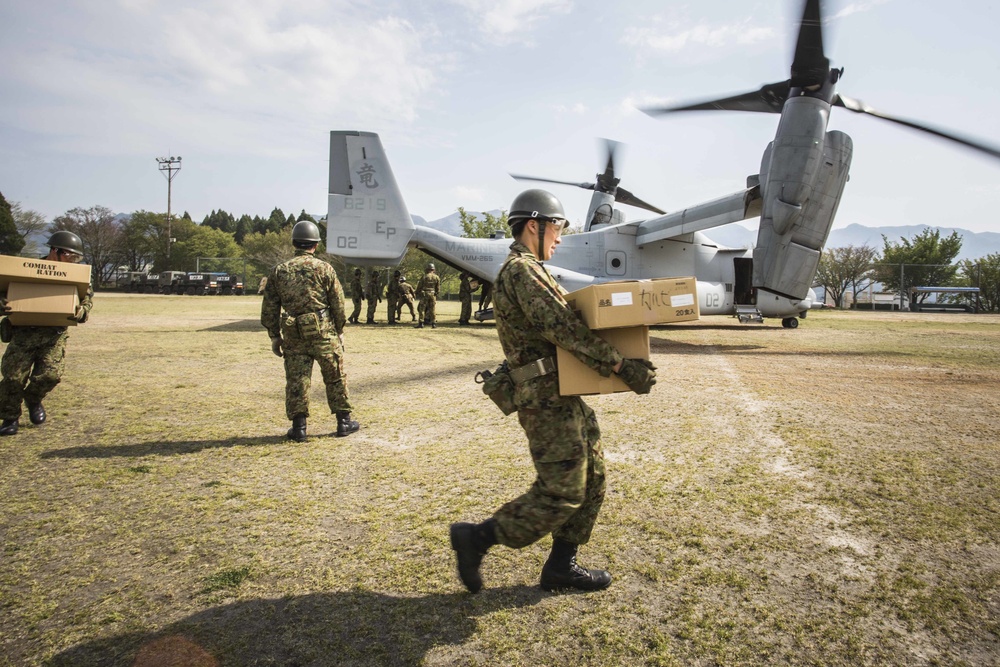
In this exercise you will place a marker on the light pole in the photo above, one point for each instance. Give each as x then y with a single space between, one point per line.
170 165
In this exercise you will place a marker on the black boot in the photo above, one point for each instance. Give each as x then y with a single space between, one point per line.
346 425
298 430
36 413
561 570
9 427
471 541
419 326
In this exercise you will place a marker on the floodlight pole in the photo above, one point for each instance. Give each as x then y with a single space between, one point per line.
170 165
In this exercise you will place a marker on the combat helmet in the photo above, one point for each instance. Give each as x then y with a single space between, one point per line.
66 241
538 205
305 233
429 267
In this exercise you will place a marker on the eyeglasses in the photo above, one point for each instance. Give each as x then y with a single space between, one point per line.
556 224
72 257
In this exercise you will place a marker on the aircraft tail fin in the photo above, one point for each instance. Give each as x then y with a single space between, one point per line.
367 221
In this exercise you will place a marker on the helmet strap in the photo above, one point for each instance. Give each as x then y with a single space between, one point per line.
541 240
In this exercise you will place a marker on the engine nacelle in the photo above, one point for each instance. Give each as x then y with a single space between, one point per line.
805 177
601 212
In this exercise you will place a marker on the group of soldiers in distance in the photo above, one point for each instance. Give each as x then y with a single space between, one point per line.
400 294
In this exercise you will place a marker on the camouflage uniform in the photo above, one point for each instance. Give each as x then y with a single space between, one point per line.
465 296
427 290
532 319
374 296
33 363
405 298
392 298
357 295
304 305
485 296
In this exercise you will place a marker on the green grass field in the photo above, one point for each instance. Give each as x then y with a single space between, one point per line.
821 496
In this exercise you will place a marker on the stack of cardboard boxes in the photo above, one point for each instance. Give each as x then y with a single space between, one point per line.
620 313
42 293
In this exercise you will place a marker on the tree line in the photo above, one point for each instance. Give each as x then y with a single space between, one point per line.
927 259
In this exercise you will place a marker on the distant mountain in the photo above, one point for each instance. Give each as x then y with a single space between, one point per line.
974 244
451 224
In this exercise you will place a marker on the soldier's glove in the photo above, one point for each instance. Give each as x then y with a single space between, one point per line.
276 346
81 314
638 374
4 306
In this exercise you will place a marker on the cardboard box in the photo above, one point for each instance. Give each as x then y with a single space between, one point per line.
578 379
28 270
627 303
42 305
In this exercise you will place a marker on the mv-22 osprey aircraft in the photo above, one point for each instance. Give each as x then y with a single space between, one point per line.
802 176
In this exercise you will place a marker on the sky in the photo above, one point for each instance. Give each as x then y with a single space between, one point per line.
465 92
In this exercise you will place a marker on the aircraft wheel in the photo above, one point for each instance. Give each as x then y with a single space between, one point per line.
790 322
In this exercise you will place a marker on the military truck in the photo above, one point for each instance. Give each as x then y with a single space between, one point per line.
229 284
198 283
139 282
170 282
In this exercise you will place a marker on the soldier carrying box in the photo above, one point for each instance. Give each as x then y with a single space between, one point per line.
33 363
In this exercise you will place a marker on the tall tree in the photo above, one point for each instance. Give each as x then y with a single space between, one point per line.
143 242
30 225
203 242
983 273
847 268
276 221
11 242
926 260
101 236
474 228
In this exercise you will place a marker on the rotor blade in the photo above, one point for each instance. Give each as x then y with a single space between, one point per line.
810 67
623 196
857 106
768 99
585 186
607 182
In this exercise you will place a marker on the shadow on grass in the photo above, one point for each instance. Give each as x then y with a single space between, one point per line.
159 448
240 325
349 628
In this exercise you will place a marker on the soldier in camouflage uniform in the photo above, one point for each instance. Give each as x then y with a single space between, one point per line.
374 296
465 291
427 290
357 295
392 297
33 362
533 318
303 312
405 298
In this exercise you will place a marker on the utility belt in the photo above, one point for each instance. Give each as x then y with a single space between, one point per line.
501 383
535 369
308 325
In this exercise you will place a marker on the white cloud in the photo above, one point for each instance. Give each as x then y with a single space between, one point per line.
252 76
465 193
673 37
506 21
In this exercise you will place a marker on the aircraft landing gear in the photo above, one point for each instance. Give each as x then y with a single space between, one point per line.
790 322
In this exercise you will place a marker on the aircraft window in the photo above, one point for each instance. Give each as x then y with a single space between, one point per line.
616 263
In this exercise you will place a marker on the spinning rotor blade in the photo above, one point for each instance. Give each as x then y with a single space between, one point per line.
810 66
768 99
607 182
625 197
522 177
857 106
810 69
